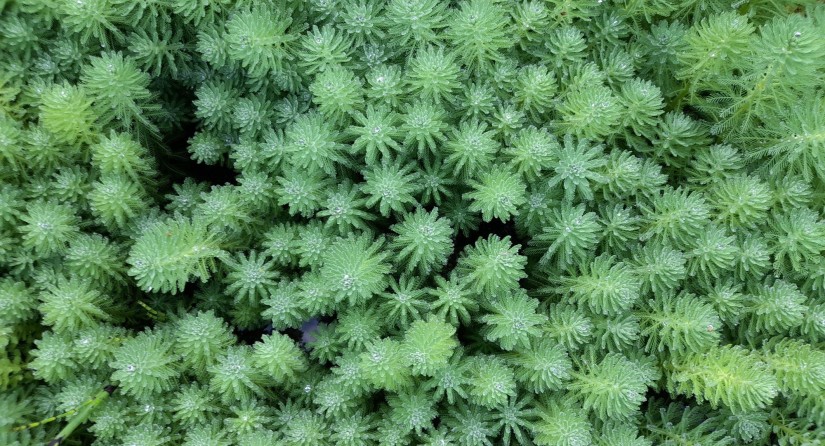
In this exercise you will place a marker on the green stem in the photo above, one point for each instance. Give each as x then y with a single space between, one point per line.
81 416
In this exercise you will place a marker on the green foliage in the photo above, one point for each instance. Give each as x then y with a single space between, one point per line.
591 112
452 300
305 429
711 43
479 30
200 338
66 113
391 187
412 411
797 238
259 39
72 304
604 287
279 243
680 324
575 169
741 201
563 426
352 430
300 191
384 365
337 93
470 149
659 267
322 49
16 301
492 266
144 366
535 89
116 201
798 367
279 357
119 92
282 307
119 154
95 346
357 327
677 136
729 375
541 367
354 269
424 123
167 253
249 115
491 381
366 222
234 376
613 388
404 302
569 236
249 276
674 423
433 75
52 358
795 143
644 104
498 194
414 22
375 131
677 216
775 307
512 320
342 208
532 151
515 419
713 254
423 240
470 425
149 434
428 346
48 227
207 148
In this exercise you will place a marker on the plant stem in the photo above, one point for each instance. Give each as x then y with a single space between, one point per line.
81 416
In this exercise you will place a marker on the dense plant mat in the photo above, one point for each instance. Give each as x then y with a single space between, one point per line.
412 222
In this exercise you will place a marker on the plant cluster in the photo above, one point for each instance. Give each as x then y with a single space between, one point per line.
398 222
